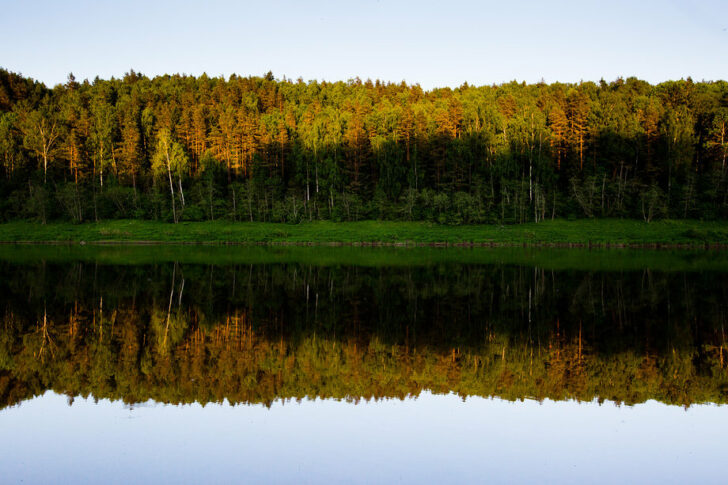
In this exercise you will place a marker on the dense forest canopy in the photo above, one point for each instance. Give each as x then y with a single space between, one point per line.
256 148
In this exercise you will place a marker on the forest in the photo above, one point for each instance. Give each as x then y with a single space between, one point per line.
184 148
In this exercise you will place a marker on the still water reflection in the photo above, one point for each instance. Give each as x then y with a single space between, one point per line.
461 363
430 439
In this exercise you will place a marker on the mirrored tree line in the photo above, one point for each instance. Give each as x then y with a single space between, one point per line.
260 149
255 333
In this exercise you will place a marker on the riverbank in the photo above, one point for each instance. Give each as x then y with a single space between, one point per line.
579 233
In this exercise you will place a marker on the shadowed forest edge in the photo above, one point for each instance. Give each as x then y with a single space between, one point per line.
183 148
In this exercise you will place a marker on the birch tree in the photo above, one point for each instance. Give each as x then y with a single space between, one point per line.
170 160
41 130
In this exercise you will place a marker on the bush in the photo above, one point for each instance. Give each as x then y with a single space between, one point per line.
652 202
69 196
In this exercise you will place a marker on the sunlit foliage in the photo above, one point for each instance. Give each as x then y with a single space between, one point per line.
257 148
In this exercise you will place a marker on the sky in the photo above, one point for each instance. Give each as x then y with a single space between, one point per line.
433 43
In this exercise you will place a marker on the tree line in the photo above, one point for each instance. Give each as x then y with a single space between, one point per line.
179 147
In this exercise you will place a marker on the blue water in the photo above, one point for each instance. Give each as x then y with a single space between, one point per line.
431 438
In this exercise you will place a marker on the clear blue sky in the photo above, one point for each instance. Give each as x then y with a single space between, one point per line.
435 43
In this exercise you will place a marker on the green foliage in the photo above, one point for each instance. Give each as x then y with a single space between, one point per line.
9 143
267 150
170 160
36 205
70 198
653 203
169 156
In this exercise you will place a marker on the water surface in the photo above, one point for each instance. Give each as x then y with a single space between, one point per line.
185 364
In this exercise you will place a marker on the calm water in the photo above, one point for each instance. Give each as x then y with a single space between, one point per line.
181 364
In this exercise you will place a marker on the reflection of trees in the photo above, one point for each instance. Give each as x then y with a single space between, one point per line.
41 338
257 333
169 327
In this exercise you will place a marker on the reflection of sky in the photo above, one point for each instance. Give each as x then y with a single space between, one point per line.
432 438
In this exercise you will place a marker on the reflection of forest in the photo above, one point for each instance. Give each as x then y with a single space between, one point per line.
184 333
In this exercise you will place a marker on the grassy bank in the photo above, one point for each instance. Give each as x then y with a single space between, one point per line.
602 232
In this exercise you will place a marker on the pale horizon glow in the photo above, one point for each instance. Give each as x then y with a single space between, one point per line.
426 42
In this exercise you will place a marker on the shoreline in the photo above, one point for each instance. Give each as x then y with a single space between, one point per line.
405 244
